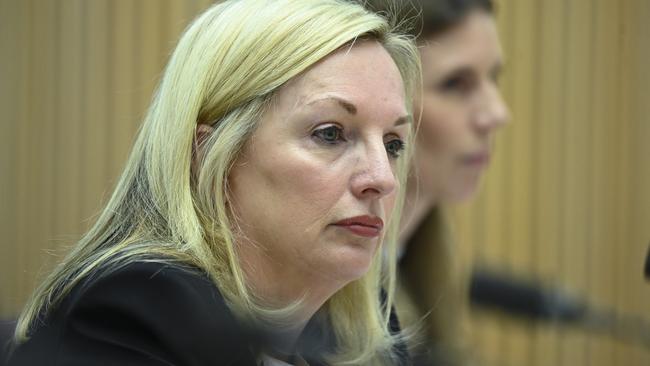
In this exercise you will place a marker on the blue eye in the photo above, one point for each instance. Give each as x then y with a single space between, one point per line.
329 135
394 148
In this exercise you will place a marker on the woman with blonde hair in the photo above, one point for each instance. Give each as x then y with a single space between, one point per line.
461 109
262 184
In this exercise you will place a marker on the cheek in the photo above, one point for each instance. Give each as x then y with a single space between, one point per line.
284 203
441 126
303 189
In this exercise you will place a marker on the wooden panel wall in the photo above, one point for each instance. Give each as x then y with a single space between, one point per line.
75 79
567 198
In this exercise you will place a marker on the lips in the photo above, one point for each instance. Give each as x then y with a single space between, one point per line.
366 226
481 158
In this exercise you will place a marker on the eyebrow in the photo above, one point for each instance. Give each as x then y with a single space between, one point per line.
352 109
349 107
496 69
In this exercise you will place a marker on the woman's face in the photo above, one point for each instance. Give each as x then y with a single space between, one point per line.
462 107
316 182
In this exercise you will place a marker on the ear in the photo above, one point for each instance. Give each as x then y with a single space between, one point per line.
201 134
203 131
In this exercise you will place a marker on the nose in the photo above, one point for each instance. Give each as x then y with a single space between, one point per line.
492 112
373 177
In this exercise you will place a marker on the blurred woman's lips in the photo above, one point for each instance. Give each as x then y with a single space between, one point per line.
479 159
366 226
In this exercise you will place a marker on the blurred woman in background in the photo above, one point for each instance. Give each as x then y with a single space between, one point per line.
262 183
461 108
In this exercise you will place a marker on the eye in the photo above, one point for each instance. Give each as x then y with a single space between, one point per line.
456 83
394 148
330 134
459 82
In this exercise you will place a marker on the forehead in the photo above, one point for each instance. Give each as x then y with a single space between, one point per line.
475 39
360 73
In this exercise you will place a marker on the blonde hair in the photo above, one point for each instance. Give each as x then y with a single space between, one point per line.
226 67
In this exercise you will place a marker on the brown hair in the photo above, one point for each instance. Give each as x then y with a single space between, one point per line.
429 18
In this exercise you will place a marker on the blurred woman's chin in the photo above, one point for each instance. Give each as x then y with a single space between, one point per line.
461 190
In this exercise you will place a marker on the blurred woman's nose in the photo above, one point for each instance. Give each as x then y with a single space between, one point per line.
492 111
374 177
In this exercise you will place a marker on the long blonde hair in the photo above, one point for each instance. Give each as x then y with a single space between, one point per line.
224 70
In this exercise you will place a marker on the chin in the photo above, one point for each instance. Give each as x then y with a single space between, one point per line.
352 262
461 191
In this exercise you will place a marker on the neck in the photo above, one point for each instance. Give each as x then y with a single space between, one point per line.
418 202
277 287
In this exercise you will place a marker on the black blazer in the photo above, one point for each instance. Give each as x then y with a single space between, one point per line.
143 314
153 314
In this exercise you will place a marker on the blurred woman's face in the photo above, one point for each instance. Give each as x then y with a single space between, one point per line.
462 107
316 183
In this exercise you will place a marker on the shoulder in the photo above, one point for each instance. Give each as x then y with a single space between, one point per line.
159 286
143 313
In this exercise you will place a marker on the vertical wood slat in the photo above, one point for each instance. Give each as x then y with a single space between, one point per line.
639 242
603 154
35 174
177 15
562 146
67 137
518 344
95 110
122 76
12 34
150 57
17 256
625 112
576 176
548 123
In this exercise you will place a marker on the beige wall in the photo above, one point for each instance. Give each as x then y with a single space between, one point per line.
567 198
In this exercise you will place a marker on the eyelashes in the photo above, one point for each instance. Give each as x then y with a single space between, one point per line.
395 147
332 135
